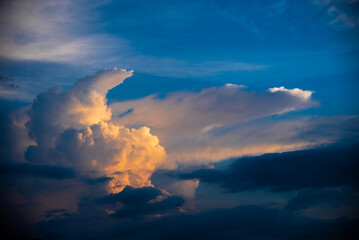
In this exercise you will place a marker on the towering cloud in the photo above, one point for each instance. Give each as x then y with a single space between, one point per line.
73 128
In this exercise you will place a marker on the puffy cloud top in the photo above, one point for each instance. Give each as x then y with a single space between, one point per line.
74 128
305 95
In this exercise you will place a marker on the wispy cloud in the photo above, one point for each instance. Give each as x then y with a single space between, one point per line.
10 90
63 32
342 12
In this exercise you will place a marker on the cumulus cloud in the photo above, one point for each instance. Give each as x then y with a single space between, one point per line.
65 146
218 122
301 94
78 148
73 128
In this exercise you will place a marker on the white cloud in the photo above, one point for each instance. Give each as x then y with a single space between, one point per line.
73 128
37 30
204 127
304 95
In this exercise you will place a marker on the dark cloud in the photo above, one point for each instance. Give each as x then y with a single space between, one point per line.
12 136
315 168
137 202
328 197
243 222
35 170
56 213
8 82
132 196
99 180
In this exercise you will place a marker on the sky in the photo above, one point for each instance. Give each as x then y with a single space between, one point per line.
208 119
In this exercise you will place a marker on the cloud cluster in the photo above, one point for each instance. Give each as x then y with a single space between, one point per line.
73 128
84 159
219 122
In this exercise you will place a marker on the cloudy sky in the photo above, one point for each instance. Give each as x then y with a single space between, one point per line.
209 119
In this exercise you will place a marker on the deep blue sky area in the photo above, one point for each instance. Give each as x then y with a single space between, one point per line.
304 44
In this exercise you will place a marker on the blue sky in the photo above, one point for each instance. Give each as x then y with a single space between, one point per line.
229 105
258 43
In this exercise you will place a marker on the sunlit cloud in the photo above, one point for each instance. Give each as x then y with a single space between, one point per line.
219 122
73 128
84 141
240 120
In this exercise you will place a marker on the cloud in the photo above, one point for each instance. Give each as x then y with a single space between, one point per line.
333 166
185 188
43 31
342 12
219 122
57 213
14 138
244 222
141 201
304 95
44 171
342 18
64 132
186 68
99 180
160 207
7 82
74 128
81 106
70 131
328 197
68 32
132 196
10 90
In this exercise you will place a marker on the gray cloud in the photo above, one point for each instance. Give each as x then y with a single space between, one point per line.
34 170
331 166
